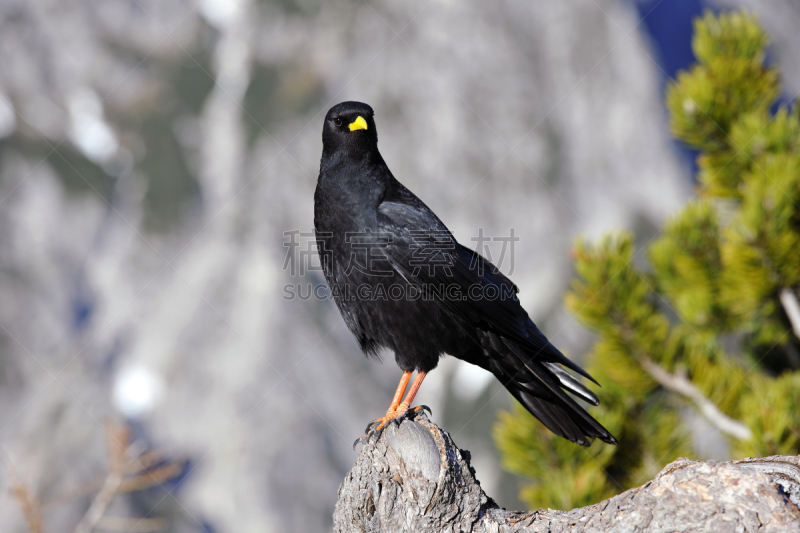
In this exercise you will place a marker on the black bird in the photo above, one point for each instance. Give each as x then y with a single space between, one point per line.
401 281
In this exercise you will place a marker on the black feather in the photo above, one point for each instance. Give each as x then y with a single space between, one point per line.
374 235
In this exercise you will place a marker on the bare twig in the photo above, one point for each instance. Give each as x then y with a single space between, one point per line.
151 478
118 444
132 525
73 493
683 386
142 479
792 308
143 461
30 507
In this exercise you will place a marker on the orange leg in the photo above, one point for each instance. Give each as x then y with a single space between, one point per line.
398 394
413 392
397 409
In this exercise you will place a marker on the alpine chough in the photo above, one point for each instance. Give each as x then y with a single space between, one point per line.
401 281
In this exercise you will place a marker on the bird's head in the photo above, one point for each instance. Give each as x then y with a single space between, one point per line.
349 126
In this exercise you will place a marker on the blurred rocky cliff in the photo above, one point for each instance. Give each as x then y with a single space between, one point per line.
156 158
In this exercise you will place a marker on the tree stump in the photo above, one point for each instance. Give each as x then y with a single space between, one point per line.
416 479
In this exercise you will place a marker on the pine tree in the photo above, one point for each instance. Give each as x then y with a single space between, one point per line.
711 327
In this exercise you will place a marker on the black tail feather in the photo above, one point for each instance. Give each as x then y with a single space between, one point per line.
571 384
539 387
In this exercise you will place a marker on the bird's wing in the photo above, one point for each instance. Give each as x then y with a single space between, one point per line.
520 356
424 252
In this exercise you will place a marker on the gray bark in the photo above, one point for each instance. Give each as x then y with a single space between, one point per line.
416 479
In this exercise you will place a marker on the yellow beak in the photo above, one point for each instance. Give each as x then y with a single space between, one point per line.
358 124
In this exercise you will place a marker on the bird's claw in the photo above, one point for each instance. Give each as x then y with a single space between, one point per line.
362 439
376 427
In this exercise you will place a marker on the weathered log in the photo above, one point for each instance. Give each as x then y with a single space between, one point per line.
416 479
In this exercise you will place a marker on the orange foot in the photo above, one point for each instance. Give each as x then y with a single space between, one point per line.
397 411
377 426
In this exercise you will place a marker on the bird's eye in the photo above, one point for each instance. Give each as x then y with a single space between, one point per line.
338 122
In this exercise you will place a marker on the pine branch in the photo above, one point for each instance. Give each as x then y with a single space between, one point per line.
681 385
792 308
